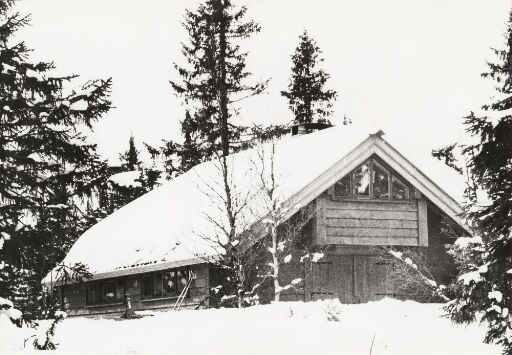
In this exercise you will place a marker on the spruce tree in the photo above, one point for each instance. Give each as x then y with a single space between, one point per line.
484 289
130 159
215 78
47 168
309 101
192 151
214 81
114 195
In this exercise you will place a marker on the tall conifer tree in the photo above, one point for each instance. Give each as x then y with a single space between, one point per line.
309 101
46 166
485 284
215 78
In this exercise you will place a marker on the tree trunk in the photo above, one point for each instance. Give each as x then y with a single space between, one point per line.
275 265
223 92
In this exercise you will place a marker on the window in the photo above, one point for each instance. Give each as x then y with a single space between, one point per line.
146 286
109 291
342 187
373 181
182 276
170 285
167 283
105 291
399 190
380 180
157 284
120 290
361 177
91 293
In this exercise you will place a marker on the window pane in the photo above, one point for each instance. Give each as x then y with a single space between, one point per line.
362 180
146 287
99 291
380 182
182 279
91 293
157 284
342 187
120 290
398 190
170 286
109 291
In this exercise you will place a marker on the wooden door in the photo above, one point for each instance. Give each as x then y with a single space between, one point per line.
351 278
372 279
322 280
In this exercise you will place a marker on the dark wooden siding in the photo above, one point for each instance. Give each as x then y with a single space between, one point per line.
351 274
370 222
440 263
75 296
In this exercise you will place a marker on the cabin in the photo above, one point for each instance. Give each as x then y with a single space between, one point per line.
368 191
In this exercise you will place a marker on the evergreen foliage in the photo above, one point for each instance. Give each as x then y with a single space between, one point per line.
485 284
214 80
47 169
309 101
130 159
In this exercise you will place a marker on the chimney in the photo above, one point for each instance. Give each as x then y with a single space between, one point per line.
305 128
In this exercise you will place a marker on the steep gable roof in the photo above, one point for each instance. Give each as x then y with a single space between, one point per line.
165 227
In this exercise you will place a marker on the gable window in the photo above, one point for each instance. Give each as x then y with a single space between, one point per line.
168 283
342 186
361 178
371 180
399 190
380 179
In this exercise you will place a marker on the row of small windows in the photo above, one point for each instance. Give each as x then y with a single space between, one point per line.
164 284
371 180
105 291
159 284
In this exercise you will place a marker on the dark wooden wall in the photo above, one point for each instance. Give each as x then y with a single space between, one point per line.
440 263
360 273
370 222
75 296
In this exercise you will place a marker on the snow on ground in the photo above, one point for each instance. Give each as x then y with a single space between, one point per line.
392 326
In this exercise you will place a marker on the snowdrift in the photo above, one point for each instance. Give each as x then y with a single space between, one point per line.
324 327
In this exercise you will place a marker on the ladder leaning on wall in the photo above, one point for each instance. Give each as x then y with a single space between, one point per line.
183 294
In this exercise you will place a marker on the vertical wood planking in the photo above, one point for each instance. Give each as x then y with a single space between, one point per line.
321 221
422 222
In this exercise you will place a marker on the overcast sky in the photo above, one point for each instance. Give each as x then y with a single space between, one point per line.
409 66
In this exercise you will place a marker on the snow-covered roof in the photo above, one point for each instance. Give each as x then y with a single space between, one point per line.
166 227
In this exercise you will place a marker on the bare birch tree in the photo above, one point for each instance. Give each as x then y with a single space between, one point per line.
229 221
282 225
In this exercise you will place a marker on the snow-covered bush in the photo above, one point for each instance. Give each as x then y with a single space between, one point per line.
44 338
12 335
17 335
410 274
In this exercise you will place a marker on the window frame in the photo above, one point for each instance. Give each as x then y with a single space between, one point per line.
371 162
353 193
99 287
164 294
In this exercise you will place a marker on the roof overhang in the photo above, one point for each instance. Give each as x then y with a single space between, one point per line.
49 280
